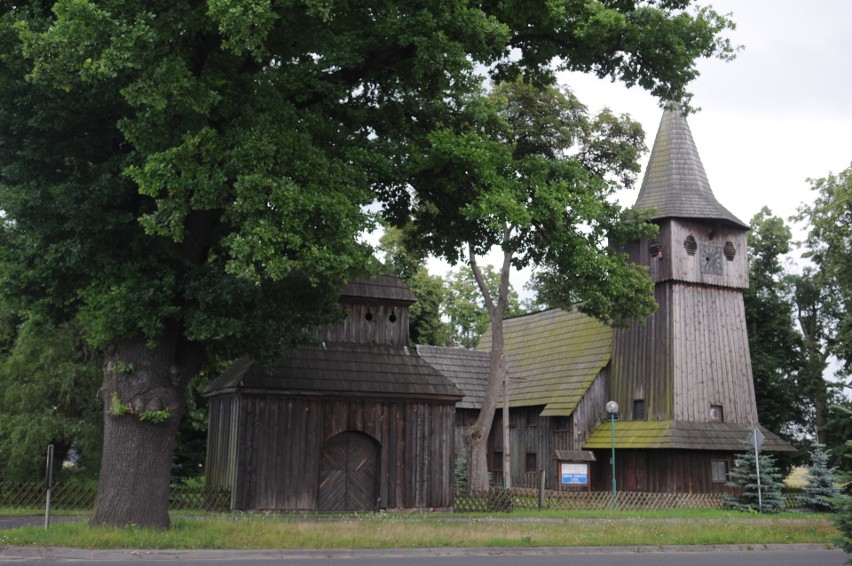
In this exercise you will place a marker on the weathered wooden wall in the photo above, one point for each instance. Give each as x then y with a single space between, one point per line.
280 439
692 353
659 471
590 411
673 262
642 363
370 324
712 363
220 469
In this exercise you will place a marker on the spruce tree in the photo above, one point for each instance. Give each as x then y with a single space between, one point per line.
820 490
744 479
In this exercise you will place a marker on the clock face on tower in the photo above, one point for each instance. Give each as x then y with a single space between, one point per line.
710 259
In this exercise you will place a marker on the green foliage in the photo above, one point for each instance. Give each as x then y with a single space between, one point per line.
48 384
829 246
460 473
821 491
777 348
117 408
769 498
204 188
465 308
154 417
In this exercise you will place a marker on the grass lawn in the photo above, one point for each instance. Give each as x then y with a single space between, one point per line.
605 528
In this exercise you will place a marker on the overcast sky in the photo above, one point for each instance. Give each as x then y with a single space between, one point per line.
778 114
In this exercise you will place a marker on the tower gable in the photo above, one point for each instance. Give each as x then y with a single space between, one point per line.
693 251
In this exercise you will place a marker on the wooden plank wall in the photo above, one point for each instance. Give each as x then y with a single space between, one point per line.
642 363
542 440
281 440
590 411
673 263
222 426
712 364
692 353
659 471
370 324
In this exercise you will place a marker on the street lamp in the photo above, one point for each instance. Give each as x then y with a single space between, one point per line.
612 409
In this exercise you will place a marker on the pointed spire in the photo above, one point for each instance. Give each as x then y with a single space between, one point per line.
675 182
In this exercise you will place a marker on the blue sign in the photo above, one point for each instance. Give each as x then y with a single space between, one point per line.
574 474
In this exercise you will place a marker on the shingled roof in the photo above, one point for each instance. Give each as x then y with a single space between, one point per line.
675 183
553 358
342 368
468 369
682 434
386 289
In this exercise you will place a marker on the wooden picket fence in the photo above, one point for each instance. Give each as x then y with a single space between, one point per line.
526 499
79 496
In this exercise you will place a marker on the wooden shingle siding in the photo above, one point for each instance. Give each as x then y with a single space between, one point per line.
467 369
675 184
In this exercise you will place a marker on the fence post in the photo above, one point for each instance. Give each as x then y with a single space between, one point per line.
541 490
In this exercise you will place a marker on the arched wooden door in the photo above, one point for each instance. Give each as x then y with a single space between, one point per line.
349 473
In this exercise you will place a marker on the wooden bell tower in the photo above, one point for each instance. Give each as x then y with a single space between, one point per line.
690 361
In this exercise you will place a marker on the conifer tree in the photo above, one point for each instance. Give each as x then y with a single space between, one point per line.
820 490
744 479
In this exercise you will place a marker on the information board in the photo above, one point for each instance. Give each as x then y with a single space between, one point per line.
574 474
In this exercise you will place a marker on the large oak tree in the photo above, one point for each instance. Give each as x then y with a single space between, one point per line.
187 178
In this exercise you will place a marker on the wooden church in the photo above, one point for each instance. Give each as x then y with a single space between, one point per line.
363 422
359 423
682 379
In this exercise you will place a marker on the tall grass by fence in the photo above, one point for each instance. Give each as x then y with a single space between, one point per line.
526 499
77 496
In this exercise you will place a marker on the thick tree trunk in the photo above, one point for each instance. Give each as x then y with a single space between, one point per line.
143 396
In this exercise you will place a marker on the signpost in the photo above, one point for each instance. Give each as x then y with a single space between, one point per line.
756 440
48 483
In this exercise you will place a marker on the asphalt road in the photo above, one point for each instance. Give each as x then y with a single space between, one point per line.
778 555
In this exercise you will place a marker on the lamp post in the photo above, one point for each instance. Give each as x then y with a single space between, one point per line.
612 409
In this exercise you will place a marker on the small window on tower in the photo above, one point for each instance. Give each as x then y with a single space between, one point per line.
654 248
690 245
639 410
716 414
730 251
562 424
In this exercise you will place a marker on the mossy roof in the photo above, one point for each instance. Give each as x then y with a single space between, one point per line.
553 358
682 435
